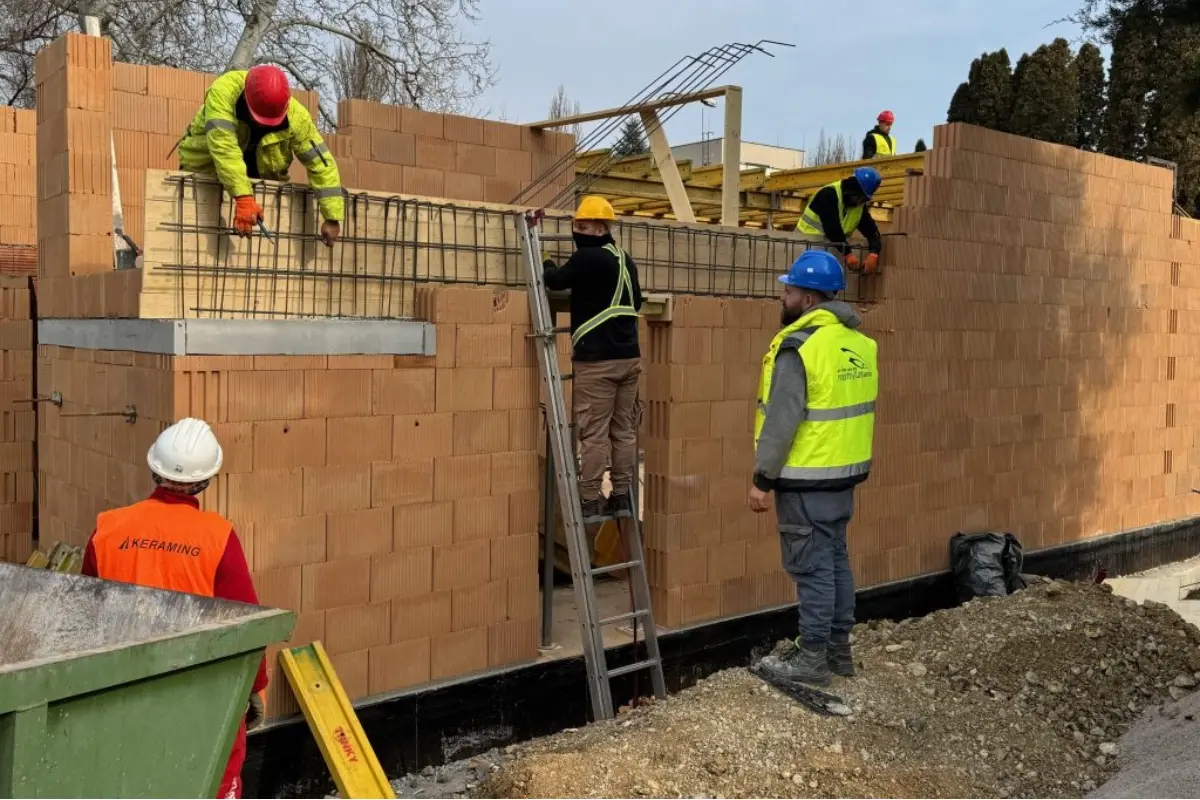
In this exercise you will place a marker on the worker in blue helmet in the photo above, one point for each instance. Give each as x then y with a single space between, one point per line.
813 436
839 209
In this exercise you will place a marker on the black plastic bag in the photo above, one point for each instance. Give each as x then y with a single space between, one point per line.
986 564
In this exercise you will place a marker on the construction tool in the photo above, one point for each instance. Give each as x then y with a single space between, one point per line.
562 459
331 718
265 232
815 700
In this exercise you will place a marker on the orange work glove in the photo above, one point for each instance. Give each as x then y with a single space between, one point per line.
256 714
852 261
330 232
247 213
871 263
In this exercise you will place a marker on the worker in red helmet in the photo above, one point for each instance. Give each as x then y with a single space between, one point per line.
879 141
250 128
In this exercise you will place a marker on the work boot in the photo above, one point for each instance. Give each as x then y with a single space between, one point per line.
594 511
805 663
619 506
840 658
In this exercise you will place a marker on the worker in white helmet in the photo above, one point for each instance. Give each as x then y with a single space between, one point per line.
167 542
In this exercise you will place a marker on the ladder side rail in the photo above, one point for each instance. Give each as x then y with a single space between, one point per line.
566 477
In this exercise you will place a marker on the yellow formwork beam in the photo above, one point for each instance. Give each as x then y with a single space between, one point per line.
892 168
634 186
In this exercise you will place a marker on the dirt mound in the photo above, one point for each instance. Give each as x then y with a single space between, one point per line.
1016 696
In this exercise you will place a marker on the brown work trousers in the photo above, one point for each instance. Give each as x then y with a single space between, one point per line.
607 413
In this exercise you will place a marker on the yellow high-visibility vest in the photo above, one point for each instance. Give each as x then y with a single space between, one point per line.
810 223
885 145
833 443
617 307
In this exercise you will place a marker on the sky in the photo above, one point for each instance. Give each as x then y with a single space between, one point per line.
851 59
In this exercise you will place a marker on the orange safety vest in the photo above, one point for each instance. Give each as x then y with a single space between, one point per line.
161 544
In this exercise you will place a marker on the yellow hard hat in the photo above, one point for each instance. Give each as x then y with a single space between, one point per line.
595 207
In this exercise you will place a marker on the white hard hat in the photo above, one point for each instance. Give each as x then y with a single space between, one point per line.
186 452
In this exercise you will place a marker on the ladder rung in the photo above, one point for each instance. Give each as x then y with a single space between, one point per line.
639 613
566 376
616 567
556 237
628 668
562 330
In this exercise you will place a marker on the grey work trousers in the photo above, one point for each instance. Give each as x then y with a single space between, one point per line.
812 535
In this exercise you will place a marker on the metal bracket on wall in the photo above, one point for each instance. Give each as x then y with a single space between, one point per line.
55 397
129 413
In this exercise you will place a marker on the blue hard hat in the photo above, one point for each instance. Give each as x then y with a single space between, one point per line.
816 270
868 179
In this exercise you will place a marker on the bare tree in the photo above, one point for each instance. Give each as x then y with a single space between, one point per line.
561 106
419 52
359 73
830 150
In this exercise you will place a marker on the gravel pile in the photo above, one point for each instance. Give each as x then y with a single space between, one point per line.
1003 697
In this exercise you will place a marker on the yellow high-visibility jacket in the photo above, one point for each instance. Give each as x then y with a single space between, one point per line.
216 140
832 446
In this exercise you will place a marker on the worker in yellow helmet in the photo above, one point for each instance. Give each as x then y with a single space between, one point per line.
249 128
879 140
605 300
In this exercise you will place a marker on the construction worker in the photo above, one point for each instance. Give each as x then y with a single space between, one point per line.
813 434
605 299
167 542
879 140
249 128
839 209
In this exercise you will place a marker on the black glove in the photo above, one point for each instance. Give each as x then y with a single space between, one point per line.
256 712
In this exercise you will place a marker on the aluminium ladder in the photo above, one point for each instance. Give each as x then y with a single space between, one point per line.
562 459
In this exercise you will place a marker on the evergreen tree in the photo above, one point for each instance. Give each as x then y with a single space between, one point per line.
1129 87
960 104
1173 131
631 141
1046 95
921 146
992 91
986 98
1093 88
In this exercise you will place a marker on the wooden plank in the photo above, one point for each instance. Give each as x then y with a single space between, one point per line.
608 113
731 156
672 182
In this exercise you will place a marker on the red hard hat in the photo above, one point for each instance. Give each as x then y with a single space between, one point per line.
267 94
887 117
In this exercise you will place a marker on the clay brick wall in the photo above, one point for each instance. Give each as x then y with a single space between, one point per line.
1038 371
16 419
708 554
18 258
390 500
18 212
393 149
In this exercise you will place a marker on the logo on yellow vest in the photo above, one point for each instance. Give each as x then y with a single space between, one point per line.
160 544
854 358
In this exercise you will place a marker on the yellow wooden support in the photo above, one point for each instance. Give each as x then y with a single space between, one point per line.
331 718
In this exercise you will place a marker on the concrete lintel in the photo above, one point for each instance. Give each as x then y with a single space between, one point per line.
243 337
